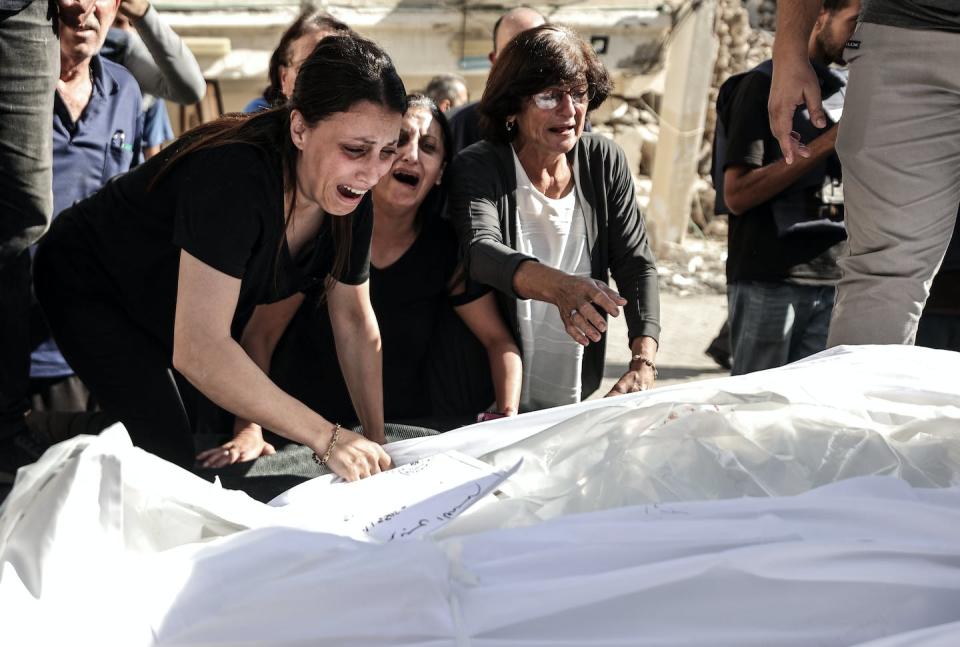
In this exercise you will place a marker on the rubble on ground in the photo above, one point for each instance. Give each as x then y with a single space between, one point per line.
629 116
696 266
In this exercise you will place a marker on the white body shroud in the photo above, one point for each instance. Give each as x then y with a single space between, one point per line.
608 535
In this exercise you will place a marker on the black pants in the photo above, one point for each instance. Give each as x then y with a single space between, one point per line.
14 343
127 369
939 331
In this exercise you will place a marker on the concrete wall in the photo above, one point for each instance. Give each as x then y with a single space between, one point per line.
233 40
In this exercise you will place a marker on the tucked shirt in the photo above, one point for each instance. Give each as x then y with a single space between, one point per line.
103 142
941 15
552 230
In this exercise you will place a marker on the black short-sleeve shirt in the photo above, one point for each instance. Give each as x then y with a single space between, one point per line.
407 297
224 206
755 251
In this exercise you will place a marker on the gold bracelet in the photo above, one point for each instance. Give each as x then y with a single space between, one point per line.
326 455
648 362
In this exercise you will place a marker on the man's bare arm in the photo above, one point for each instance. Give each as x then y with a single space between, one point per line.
745 187
794 81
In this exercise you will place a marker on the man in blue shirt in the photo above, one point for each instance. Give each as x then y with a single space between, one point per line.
97 128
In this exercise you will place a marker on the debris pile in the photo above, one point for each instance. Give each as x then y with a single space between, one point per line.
630 117
763 14
697 266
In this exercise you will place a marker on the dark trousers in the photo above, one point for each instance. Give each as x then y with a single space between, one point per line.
127 369
939 331
29 66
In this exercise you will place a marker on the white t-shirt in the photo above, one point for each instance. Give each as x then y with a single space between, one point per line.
554 231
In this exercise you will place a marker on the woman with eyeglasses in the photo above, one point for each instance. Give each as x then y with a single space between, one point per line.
545 214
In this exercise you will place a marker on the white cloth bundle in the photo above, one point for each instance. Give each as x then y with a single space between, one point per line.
606 536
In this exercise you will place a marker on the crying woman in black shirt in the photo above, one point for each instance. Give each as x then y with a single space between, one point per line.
155 271
414 284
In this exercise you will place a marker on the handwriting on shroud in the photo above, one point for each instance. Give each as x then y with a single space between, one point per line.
446 515
383 519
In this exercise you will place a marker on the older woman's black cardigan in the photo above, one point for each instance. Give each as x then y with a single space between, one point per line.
483 208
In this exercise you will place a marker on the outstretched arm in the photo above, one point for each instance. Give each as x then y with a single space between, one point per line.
641 372
577 298
357 336
259 339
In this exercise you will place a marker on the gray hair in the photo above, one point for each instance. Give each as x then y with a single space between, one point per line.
446 86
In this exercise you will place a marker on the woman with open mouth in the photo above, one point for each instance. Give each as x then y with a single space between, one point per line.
164 265
414 282
545 213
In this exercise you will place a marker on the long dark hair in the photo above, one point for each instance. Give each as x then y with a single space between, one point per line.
341 72
310 18
535 60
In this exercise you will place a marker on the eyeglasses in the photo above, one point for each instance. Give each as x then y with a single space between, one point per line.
550 99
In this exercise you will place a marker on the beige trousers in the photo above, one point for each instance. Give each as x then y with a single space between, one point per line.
899 143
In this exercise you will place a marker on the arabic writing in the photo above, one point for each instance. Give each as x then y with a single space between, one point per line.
455 510
444 516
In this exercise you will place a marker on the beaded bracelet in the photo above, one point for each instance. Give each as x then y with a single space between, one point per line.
326 455
648 362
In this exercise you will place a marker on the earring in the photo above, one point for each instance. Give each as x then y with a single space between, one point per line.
511 126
